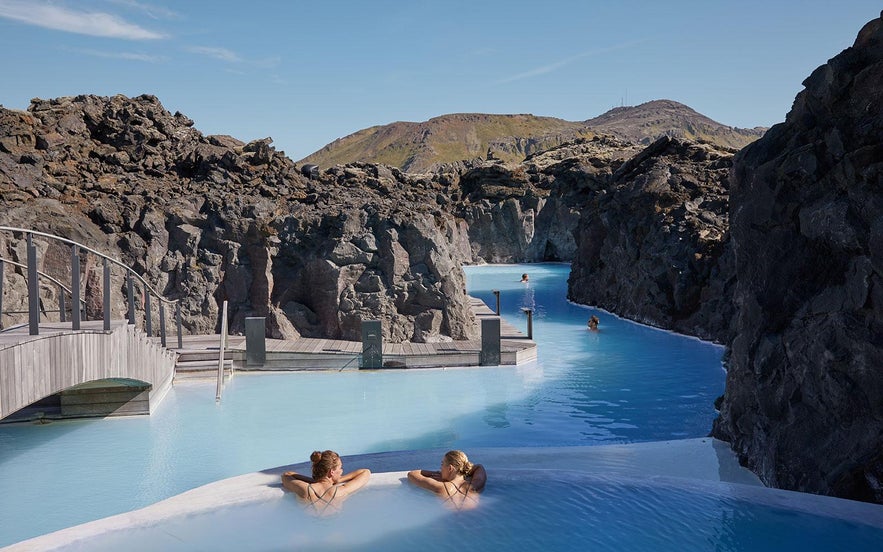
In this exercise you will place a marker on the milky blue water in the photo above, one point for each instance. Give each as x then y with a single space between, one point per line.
523 511
625 383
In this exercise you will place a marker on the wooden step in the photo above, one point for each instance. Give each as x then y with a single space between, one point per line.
187 355
199 365
202 375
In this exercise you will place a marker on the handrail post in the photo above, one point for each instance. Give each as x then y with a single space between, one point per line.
497 294
178 320
33 289
106 294
162 324
2 269
61 305
529 313
148 326
223 346
75 288
130 291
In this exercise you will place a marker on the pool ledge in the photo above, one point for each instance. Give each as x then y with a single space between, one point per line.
703 465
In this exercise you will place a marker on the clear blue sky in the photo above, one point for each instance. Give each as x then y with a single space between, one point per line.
306 73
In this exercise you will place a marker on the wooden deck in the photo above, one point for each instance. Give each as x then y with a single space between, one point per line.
201 352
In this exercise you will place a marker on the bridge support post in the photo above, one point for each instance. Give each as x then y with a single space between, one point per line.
255 341
372 344
162 324
75 288
148 326
130 292
33 289
178 322
2 267
106 294
490 342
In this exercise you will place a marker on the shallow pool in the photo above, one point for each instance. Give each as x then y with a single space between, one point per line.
627 383
521 510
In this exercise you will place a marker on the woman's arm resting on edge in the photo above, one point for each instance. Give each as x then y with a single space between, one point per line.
353 481
296 483
426 479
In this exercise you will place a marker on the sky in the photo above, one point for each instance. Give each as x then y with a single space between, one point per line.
308 72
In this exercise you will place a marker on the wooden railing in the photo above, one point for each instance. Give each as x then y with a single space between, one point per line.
33 277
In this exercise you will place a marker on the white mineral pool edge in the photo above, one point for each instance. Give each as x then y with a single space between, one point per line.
702 463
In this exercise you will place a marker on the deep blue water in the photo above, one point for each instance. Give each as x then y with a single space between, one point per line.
623 383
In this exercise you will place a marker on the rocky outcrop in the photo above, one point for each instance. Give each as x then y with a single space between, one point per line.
652 240
803 406
571 175
528 212
210 218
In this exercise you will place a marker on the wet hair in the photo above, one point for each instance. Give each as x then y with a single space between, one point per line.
457 459
324 463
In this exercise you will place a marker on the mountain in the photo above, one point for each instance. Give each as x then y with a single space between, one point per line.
647 122
418 147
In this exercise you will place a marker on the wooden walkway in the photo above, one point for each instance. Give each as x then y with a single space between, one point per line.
35 367
200 353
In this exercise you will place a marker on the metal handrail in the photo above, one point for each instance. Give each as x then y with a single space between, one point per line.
130 273
48 277
129 269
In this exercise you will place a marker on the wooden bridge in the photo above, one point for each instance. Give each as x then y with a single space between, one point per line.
85 372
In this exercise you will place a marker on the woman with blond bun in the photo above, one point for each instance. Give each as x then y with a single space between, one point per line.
458 483
326 490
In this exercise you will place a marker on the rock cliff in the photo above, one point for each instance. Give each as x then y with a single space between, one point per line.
804 397
209 218
652 239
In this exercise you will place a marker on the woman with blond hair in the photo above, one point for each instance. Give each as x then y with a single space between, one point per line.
326 490
458 483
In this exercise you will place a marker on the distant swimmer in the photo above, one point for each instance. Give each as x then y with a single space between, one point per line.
593 323
525 278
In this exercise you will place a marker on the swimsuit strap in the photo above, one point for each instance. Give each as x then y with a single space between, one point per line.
325 503
457 491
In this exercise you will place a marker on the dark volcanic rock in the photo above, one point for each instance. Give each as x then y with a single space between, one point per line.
651 240
804 399
209 219
528 212
572 174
